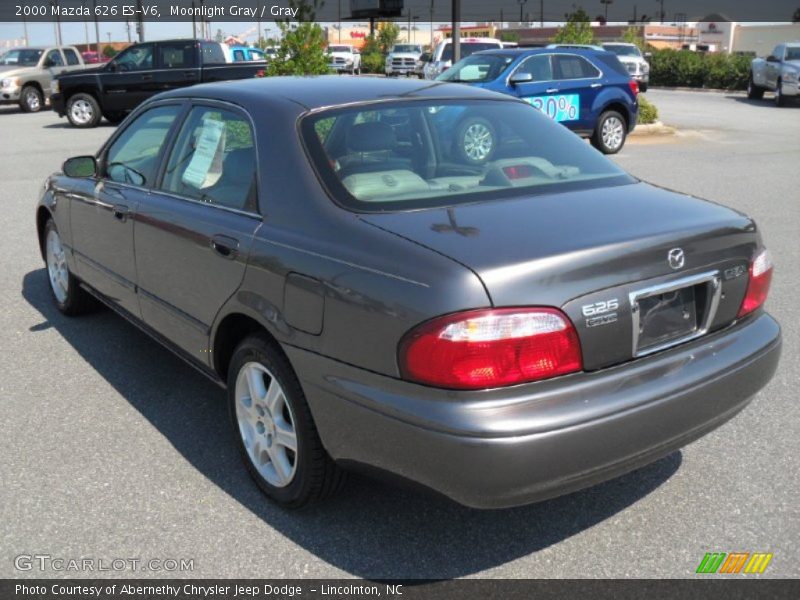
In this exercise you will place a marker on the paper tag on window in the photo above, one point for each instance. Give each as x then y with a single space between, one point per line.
205 167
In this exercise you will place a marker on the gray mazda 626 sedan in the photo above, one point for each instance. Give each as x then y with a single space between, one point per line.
423 279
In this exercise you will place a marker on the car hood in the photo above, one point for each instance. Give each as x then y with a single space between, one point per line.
630 59
14 71
792 63
549 249
341 54
85 71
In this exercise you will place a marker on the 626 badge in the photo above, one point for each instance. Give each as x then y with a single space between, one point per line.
600 313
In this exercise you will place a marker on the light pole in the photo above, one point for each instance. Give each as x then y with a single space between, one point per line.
522 4
606 3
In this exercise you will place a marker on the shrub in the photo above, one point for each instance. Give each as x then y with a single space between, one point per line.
372 62
683 68
648 113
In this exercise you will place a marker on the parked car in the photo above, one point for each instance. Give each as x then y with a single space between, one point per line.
344 58
778 73
27 73
422 62
553 322
588 91
574 46
138 72
90 57
402 59
246 54
442 55
633 60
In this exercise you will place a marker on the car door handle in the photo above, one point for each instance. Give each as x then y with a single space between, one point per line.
596 85
190 74
120 212
225 246
147 77
551 90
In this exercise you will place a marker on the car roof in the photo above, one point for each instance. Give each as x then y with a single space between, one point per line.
328 91
516 52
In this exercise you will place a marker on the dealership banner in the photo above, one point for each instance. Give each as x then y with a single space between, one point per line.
507 11
330 589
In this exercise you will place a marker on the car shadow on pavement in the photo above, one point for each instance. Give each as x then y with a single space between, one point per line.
370 529
766 101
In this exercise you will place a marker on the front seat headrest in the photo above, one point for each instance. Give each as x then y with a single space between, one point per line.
371 137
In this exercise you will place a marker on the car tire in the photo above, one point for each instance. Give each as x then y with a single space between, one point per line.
70 298
83 111
475 140
611 132
754 92
31 99
266 429
780 99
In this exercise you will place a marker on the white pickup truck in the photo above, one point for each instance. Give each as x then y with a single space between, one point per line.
26 73
779 73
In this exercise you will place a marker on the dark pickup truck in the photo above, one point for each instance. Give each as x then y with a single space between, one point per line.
138 72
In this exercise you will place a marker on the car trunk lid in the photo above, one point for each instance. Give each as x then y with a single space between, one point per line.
584 248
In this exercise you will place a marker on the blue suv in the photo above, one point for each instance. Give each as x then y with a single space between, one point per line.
588 91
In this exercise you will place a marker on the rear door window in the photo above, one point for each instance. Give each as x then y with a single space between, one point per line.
571 66
72 57
214 160
176 55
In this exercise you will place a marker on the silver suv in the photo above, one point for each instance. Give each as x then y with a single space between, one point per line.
632 59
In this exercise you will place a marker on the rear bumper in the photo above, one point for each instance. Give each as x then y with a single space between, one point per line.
501 448
57 104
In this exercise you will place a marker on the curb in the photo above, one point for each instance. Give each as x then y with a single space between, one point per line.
657 128
696 89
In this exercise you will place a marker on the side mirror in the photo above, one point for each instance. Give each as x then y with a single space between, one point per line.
80 166
521 78
771 58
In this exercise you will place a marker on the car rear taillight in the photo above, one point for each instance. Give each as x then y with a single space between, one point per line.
634 85
758 285
489 348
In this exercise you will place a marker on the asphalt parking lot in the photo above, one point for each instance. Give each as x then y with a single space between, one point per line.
113 448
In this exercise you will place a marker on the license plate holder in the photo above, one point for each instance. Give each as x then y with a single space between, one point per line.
674 312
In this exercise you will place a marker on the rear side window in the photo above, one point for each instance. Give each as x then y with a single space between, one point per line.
176 55
212 53
238 55
570 66
72 56
214 160
133 157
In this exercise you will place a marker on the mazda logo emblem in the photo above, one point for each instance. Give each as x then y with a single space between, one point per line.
676 258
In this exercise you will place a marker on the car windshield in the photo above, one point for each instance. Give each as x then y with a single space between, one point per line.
622 49
477 68
406 48
416 154
339 49
793 53
24 57
468 48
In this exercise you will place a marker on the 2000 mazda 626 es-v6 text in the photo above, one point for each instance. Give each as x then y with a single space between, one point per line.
501 331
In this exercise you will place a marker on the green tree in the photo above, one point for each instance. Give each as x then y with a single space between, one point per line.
219 37
633 35
109 52
302 47
577 29
388 33
509 36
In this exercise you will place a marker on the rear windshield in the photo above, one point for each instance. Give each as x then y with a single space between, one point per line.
477 68
468 48
416 154
622 49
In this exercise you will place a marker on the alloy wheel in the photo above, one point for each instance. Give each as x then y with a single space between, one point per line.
81 111
266 424
613 133
478 142
57 270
